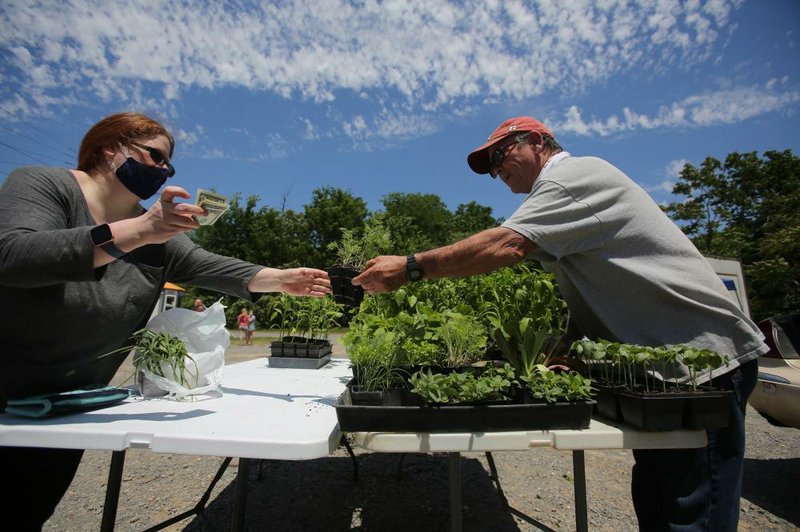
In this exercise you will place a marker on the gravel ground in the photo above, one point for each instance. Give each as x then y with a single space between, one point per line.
410 492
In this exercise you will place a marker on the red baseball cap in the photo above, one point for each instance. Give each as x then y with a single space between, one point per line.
478 160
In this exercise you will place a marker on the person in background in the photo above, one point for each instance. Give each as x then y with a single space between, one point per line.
79 243
243 320
251 328
628 274
198 305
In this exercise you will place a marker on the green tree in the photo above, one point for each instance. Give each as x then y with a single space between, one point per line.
471 218
331 210
745 208
417 221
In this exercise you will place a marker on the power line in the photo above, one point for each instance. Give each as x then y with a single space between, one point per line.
31 154
72 150
37 141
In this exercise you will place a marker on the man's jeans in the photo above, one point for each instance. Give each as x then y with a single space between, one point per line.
697 489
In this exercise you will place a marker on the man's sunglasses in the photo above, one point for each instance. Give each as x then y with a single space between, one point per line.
497 155
155 154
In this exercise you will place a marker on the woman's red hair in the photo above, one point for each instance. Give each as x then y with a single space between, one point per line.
117 129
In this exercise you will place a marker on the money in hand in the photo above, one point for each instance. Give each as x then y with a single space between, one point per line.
215 204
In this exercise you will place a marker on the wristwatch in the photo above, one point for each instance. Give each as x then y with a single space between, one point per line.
103 238
413 269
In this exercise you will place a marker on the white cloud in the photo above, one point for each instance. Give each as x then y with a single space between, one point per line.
721 107
434 54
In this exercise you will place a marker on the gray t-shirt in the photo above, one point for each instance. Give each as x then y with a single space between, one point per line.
626 271
58 313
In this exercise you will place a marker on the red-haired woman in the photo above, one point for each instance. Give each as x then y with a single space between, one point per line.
78 243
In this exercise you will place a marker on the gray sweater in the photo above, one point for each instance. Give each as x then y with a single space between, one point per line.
58 313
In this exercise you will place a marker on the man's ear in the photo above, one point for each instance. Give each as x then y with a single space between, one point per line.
535 139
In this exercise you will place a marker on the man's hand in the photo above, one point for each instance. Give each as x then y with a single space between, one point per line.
382 274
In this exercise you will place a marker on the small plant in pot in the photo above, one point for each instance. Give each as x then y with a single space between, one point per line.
163 355
376 373
491 384
308 320
630 387
352 253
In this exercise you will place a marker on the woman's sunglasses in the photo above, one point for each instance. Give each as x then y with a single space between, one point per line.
155 154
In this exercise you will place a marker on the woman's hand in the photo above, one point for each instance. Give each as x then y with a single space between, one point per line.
166 219
304 282
293 281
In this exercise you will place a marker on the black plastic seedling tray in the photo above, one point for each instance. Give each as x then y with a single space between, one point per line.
462 418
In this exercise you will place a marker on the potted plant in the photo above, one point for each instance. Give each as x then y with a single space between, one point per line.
164 355
373 353
352 253
630 389
308 320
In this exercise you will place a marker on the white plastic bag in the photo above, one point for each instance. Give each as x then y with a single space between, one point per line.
206 340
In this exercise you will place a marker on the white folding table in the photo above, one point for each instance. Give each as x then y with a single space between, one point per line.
599 435
264 413
288 414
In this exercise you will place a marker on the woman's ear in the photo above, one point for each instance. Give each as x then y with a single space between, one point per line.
109 151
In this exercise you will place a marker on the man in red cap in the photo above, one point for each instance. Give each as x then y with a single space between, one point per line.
628 274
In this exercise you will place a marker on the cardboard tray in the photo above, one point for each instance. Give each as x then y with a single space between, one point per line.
461 418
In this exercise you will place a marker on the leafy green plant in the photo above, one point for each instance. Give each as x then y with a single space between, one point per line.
156 352
622 363
492 384
527 323
555 386
462 337
373 354
306 317
353 250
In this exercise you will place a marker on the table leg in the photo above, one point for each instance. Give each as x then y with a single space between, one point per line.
579 474
454 460
112 491
240 497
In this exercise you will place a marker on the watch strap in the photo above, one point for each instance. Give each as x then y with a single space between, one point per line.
112 250
414 270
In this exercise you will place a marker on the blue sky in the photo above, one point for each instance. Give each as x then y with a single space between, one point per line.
276 99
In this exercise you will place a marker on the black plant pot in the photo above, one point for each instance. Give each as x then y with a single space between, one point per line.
607 402
300 348
359 396
708 409
344 292
652 411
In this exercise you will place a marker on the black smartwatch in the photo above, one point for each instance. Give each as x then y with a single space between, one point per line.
413 269
103 238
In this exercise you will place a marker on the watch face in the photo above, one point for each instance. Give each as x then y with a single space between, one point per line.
414 274
101 234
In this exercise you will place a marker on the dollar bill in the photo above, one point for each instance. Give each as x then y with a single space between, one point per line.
215 204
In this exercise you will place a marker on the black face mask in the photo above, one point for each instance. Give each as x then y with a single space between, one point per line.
141 179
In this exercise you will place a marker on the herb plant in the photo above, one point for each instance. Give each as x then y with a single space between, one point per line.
157 352
354 250
492 384
554 386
